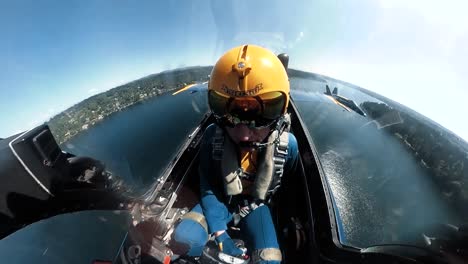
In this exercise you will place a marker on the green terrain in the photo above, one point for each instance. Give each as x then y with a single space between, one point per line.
92 110
438 149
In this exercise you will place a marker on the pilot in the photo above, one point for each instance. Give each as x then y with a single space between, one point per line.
243 157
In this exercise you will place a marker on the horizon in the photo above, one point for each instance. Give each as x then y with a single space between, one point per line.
194 66
56 54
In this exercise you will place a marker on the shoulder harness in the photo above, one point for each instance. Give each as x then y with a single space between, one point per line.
272 157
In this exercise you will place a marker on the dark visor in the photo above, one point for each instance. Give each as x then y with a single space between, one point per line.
260 109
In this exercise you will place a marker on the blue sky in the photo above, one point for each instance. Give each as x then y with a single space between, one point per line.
56 53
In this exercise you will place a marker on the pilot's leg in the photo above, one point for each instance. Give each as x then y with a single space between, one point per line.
190 235
259 231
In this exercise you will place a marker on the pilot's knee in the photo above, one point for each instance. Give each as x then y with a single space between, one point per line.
259 227
190 235
266 256
189 238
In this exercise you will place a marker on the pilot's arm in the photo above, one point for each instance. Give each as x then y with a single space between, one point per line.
216 213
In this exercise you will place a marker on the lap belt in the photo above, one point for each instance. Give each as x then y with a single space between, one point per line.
266 254
197 217
245 210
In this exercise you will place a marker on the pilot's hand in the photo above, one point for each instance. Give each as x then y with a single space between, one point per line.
227 245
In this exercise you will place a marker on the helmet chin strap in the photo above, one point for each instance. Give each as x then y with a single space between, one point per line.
281 125
259 145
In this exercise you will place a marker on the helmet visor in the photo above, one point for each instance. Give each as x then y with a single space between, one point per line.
259 110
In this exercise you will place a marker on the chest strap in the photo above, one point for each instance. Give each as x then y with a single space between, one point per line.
271 160
217 145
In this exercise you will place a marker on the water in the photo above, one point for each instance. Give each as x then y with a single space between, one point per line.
136 144
139 142
383 194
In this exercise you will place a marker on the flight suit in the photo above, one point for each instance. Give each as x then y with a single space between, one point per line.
214 212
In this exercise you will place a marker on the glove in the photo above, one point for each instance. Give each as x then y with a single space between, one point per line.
226 245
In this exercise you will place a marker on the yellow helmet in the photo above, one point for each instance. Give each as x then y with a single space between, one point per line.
249 83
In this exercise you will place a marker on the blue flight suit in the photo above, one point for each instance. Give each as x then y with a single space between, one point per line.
257 227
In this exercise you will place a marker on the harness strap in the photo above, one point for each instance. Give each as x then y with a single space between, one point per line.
230 170
197 217
266 254
270 168
279 160
218 144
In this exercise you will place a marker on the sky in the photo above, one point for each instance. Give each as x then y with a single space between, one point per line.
54 54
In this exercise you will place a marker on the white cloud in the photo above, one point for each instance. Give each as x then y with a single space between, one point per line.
440 25
427 89
34 123
450 13
298 39
415 53
274 41
92 91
